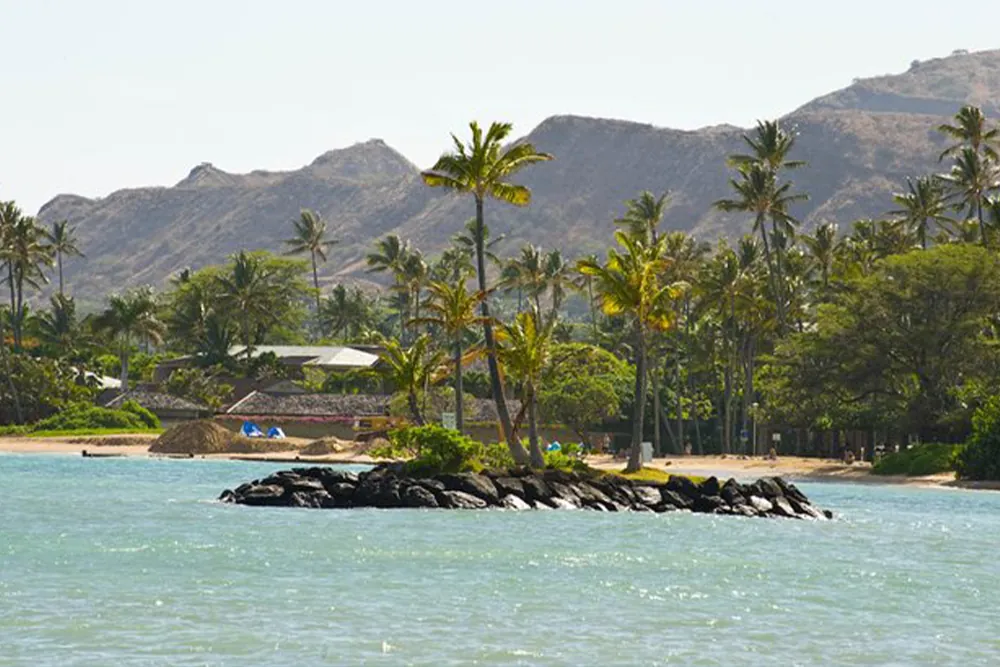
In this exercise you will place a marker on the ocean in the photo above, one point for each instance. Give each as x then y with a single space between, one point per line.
128 562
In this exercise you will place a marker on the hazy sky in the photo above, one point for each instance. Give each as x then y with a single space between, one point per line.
99 95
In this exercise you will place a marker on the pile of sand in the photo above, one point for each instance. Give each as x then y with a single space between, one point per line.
324 446
114 441
207 437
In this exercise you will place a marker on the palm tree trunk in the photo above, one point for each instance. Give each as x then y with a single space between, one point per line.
411 399
316 283
18 322
982 225
635 451
59 260
778 303
657 445
593 307
537 458
124 360
496 386
680 398
459 402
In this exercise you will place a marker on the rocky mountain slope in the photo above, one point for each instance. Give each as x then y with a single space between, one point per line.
861 143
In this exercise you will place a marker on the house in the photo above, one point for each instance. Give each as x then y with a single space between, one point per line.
170 409
329 358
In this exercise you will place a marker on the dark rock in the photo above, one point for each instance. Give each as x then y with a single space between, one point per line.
733 493
708 503
432 485
228 496
828 514
562 504
567 492
341 492
767 487
683 486
418 496
479 486
745 510
460 500
591 496
305 484
675 499
804 509
264 494
512 502
710 487
509 486
535 488
790 491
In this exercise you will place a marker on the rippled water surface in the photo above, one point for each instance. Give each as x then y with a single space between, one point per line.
131 562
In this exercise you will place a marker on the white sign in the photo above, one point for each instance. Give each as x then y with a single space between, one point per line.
448 420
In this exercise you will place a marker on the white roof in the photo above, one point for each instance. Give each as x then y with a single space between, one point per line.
317 355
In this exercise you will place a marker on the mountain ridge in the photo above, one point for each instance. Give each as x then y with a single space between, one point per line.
861 143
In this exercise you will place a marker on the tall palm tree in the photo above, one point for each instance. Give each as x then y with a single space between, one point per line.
346 312
970 131
247 291
644 213
924 203
760 194
526 274
311 237
391 255
59 329
452 308
482 168
769 145
525 351
63 243
558 278
129 317
972 178
410 369
414 277
586 284
629 285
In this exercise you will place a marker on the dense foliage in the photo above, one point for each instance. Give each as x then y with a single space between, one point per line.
929 458
980 459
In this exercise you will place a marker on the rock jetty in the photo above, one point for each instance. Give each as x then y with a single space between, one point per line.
388 487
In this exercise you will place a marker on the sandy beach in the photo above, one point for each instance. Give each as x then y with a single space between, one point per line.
791 467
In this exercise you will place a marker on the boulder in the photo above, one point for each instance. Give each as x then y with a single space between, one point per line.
535 488
567 492
460 500
733 493
509 486
710 487
479 486
767 487
512 502
341 492
591 496
762 505
804 509
783 508
432 485
684 486
264 494
228 496
708 504
560 503
675 499
306 484
789 490
648 496
417 495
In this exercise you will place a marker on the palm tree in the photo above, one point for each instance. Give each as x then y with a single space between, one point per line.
644 213
629 285
130 316
414 277
453 309
59 329
526 274
586 284
410 369
481 168
972 178
823 247
63 243
558 278
346 312
769 145
525 351
310 237
391 255
969 129
247 291
24 251
923 203
759 193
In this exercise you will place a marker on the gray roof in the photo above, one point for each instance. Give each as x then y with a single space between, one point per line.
154 401
342 405
315 355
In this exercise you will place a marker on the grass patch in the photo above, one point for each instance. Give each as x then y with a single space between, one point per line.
928 459
56 433
655 475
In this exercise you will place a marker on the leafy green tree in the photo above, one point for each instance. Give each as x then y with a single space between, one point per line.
37 388
482 168
452 309
198 385
410 370
59 330
130 317
311 237
346 313
583 386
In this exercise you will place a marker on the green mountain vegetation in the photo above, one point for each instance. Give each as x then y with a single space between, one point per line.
861 144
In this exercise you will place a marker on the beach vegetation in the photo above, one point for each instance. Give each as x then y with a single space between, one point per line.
931 458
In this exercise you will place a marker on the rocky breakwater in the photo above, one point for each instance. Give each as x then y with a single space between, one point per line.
521 489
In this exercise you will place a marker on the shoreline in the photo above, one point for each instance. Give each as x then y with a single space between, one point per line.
797 469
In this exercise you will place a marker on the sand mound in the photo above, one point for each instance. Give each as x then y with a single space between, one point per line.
324 446
114 441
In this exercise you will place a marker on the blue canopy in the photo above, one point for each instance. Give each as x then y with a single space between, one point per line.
251 430
275 432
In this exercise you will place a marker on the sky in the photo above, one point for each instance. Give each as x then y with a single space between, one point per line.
101 95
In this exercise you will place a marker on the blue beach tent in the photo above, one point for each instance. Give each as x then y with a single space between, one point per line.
275 432
251 430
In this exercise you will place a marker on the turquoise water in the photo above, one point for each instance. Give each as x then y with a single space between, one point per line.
131 562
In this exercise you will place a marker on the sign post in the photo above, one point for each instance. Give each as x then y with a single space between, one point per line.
448 420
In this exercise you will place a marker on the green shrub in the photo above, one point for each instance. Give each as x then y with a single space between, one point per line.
84 416
930 458
434 449
980 459
147 417
496 455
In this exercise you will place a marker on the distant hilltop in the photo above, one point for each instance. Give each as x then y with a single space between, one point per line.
861 144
